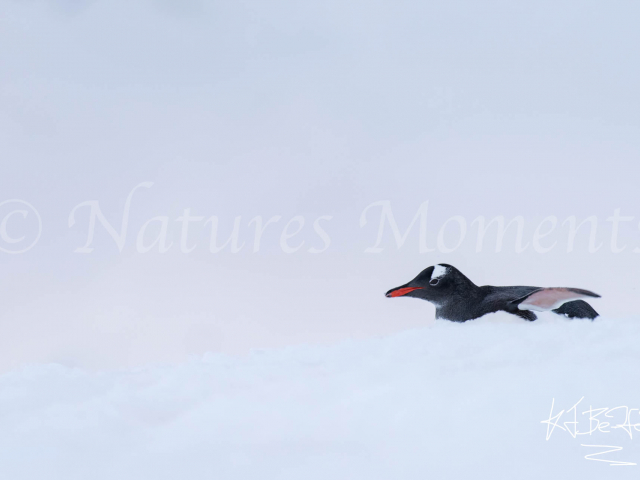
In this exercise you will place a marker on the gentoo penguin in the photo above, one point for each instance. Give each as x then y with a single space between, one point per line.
458 299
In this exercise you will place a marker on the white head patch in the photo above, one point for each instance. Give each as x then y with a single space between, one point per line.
439 271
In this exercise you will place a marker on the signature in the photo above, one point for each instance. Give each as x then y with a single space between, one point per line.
595 420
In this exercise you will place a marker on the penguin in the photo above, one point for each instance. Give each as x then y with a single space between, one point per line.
458 299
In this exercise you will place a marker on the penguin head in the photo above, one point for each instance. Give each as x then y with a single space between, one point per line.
435 284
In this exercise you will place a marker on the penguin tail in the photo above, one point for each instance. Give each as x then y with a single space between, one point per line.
545 299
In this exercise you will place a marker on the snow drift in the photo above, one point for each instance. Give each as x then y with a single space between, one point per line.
449 401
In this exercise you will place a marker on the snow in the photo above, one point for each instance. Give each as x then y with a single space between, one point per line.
448 401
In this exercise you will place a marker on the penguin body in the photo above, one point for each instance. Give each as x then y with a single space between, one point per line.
458 299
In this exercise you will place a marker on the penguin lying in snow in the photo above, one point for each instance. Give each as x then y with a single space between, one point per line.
458 299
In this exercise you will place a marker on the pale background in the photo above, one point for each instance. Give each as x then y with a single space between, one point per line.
289 108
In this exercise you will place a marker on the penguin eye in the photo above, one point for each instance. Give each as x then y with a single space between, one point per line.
434 282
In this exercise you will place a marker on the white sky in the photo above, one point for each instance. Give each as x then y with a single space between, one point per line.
288 108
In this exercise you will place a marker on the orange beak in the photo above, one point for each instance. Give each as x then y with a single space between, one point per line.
401 291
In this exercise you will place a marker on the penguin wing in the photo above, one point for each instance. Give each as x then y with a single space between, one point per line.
544 299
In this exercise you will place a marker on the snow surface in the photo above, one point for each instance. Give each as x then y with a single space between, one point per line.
449 401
